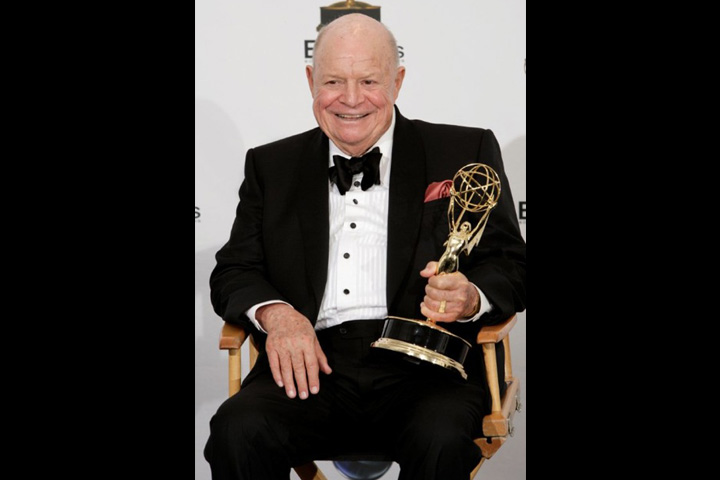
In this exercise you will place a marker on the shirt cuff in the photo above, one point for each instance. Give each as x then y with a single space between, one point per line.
253 310
485 307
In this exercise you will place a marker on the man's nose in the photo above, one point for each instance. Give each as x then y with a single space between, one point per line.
353 95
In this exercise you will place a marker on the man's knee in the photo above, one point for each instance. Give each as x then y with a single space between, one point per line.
242 424
436 435
437 449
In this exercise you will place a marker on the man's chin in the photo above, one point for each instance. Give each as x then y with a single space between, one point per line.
352 142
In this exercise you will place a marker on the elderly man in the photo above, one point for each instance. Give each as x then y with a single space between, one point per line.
319 256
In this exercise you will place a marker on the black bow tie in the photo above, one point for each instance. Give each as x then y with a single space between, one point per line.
369 165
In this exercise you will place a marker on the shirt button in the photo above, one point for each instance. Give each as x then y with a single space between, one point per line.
353 225
347 255
357 184
355 201
346 291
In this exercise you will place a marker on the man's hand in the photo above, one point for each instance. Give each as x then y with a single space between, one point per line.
293 349
460 296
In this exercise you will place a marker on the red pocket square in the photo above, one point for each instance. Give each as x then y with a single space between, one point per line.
438 190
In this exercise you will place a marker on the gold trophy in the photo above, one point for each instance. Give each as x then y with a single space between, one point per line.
475 189
338 9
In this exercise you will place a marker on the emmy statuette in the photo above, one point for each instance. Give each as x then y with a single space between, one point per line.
338 9
475 189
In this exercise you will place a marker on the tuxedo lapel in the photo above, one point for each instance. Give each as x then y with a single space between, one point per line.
314 213
407 190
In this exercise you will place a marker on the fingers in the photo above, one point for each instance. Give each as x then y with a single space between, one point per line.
324 365
429 270
314 363
450 315
313 381
286 371
282 370
452 298
299 370
441 308
296 371
295 361
274 361
447 296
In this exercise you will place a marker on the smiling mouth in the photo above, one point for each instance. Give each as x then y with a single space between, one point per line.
351 117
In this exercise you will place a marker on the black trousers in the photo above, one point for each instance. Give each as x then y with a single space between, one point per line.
424 416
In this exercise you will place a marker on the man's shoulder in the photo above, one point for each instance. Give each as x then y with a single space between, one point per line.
446 131
440 137
447 147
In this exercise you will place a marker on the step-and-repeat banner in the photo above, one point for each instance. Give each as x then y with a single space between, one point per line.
466 65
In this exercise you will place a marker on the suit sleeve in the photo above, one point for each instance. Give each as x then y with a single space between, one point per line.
498 261
238 280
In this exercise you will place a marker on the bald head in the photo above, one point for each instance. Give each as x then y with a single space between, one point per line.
360 26
355 79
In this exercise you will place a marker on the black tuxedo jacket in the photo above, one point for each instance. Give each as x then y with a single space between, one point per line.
278 247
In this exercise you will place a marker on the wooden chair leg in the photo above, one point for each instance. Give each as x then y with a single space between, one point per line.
474 472
492 376
234 370
309 471
508 360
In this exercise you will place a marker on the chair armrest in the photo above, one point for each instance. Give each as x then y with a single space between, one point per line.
232 336
495 333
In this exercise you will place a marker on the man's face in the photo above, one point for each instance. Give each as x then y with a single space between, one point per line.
354 85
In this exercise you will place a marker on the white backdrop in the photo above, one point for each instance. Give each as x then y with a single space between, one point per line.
465 62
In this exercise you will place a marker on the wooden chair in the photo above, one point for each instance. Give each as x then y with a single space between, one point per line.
497 425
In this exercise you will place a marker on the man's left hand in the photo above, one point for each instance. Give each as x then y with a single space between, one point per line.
460 296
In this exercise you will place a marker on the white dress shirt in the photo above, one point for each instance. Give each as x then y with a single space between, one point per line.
357 258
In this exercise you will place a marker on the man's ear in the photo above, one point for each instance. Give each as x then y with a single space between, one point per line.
399 77
309 74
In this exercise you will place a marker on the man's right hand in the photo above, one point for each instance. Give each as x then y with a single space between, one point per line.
293 349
